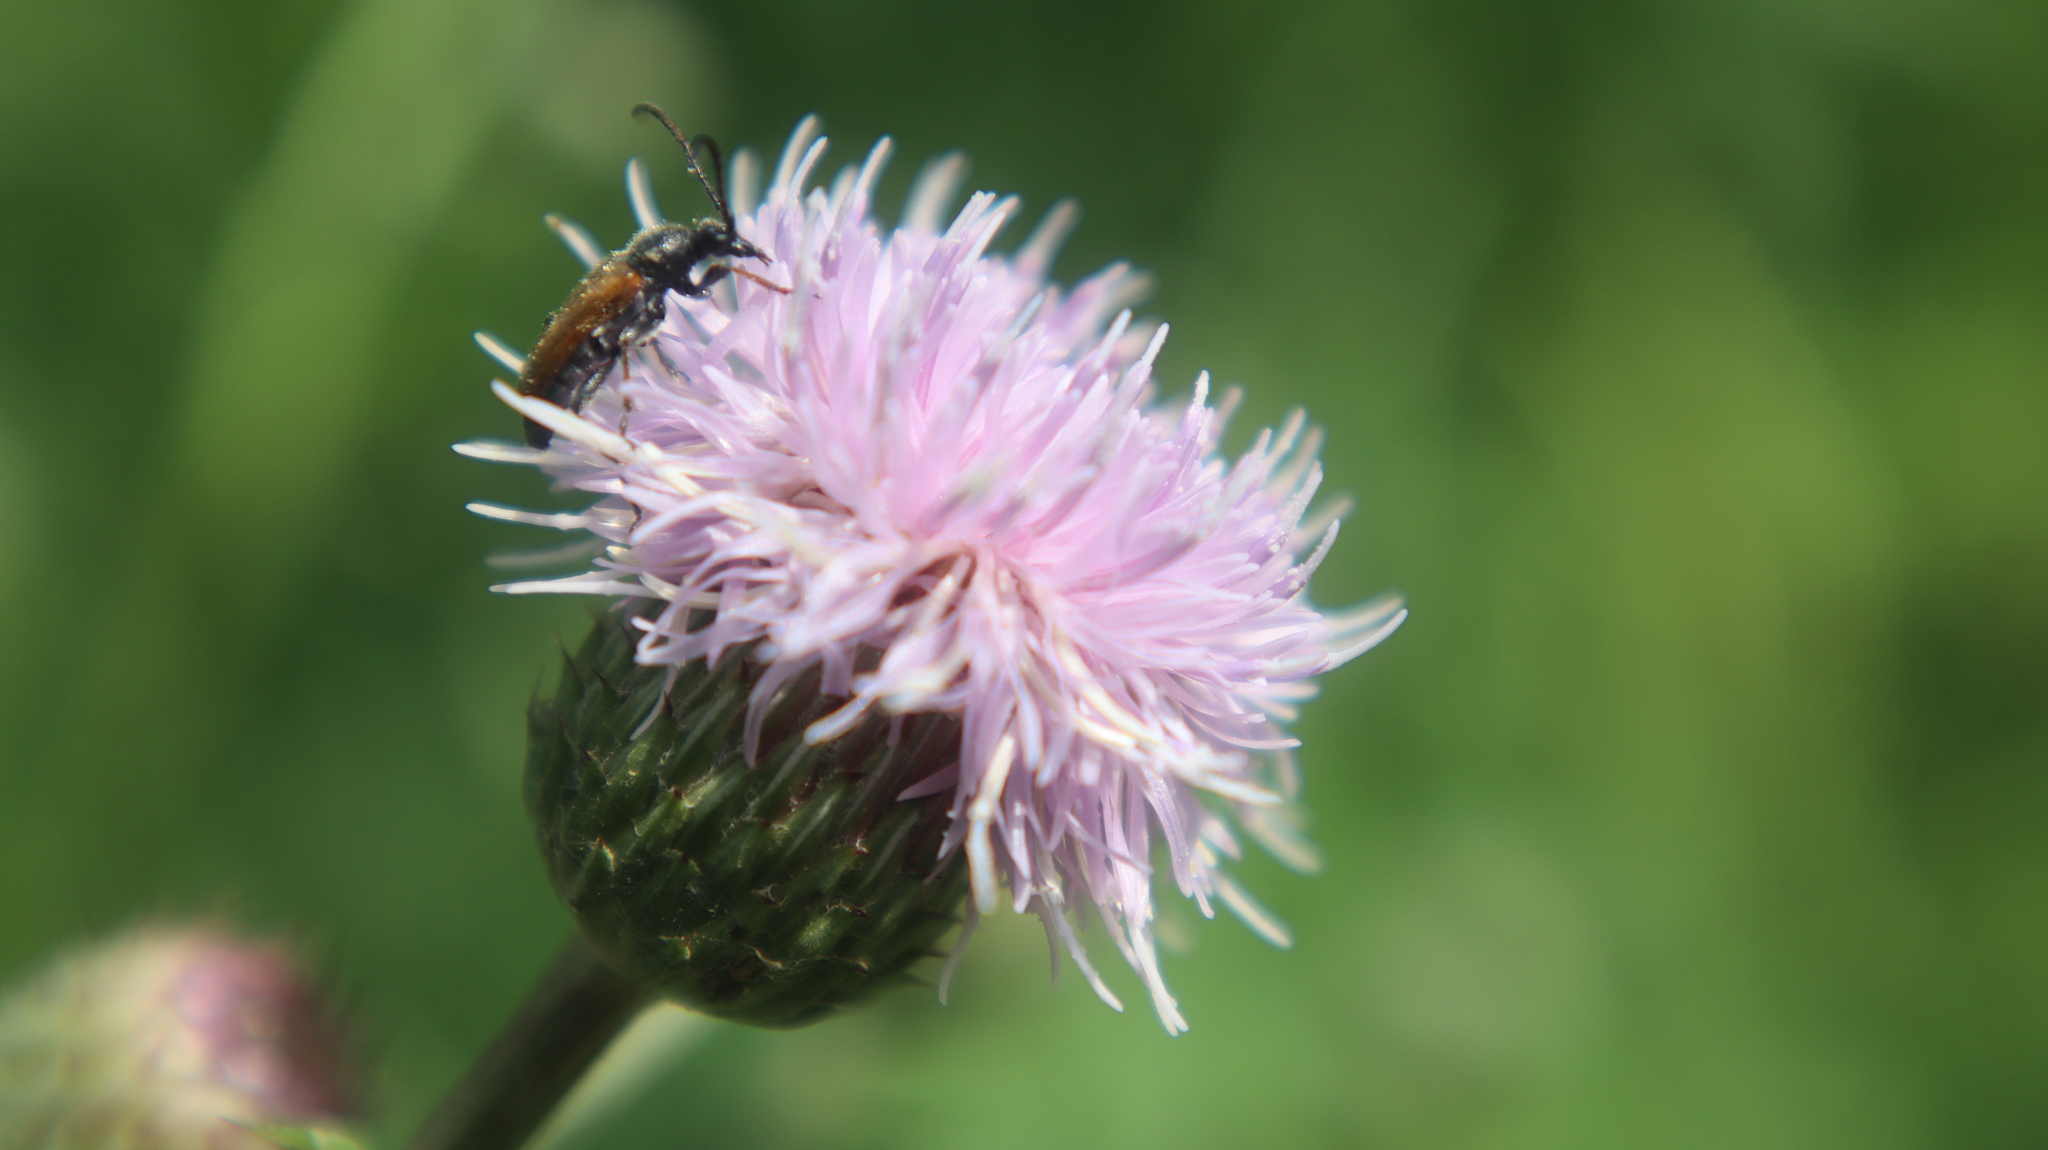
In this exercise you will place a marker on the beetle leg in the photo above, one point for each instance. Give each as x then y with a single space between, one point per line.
771 285
646 320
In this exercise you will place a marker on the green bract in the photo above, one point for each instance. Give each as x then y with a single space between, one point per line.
771 895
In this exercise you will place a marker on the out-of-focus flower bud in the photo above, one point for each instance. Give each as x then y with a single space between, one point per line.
166 1039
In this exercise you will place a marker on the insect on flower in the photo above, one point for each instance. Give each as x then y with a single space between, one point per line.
928 602
620 303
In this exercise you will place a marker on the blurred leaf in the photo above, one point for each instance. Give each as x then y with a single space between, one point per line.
304 1138
366 160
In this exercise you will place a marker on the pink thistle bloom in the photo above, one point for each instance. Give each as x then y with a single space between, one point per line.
943 480
171 1037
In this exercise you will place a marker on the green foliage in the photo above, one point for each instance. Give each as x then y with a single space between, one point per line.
305 1138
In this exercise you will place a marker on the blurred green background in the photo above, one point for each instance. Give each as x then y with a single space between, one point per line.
1688 358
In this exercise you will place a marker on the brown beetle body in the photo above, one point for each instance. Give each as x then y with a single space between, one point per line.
622 301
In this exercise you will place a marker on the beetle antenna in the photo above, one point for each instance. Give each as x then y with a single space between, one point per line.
707 144
715 190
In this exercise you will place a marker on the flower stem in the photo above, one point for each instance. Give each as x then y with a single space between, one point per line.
568 1019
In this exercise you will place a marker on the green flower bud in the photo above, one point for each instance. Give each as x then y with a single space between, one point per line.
772 894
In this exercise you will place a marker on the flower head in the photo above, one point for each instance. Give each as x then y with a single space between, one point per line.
169 1039
942 484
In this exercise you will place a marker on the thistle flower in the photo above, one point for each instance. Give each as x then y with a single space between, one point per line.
165 1039
927 482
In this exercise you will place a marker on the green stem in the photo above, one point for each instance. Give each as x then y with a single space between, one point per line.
577 1009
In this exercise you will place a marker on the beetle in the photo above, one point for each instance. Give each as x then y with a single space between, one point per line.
621 301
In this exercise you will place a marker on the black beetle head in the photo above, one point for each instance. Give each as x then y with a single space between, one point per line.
669 254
